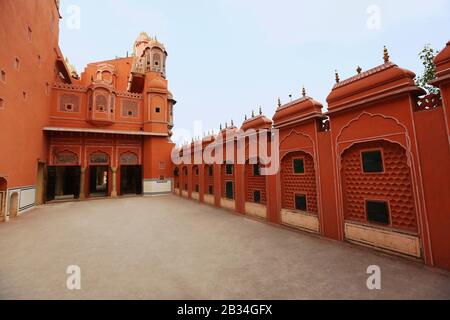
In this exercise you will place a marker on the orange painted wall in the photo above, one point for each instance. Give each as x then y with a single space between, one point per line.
22 142
435 169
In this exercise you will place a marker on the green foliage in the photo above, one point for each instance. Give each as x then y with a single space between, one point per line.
426 56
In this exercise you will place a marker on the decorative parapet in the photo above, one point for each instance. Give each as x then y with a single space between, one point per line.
364 74
428 102
65 86
131 95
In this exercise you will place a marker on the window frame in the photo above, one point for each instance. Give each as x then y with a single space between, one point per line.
259 169
229 165
306 201
260 196
293 166
17 63
388 205
3 77
232 190
361 159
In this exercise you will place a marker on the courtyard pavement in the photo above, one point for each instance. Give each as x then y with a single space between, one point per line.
171 248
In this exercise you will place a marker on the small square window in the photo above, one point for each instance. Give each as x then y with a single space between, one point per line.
130 113
24 95
196 171
378 212
229 190
229 169
300 202
197 188
257 196
69 107
299 166
256 170
210 190
158 109
372 161
3 76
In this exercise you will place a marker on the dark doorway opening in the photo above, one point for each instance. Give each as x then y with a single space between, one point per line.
130 180
63 183
98 181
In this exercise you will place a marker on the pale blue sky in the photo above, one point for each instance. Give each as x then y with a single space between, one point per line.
227 57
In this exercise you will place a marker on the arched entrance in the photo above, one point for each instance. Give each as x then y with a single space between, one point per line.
130 174
378 198
3 193
63 177
99 174
299 191
14 205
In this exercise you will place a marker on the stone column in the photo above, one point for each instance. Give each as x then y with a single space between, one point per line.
82 183
114 185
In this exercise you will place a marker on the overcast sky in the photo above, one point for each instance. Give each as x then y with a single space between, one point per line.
227 57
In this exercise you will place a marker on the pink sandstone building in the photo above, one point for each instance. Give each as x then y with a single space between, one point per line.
373 170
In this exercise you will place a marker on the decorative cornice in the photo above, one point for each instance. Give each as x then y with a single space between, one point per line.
125 94
72 87
364 74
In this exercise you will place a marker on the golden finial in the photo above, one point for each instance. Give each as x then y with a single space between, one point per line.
337 77
245 117
358 70
226 125
303 92
253 113
232 123
221 127
279 102
260 111
386 55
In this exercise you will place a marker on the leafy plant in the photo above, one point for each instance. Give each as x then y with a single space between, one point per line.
426 56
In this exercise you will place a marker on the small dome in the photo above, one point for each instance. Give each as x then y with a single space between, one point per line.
143 36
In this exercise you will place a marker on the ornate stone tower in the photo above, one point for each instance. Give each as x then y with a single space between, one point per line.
149 78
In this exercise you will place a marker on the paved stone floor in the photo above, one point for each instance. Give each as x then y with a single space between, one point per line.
171 248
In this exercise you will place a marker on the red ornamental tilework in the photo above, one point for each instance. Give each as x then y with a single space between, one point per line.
292 184
209 180
195 178
227 177
394 185
254 183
